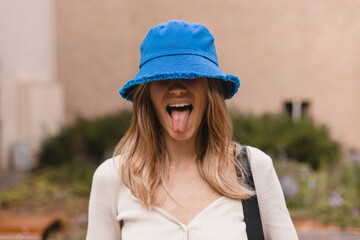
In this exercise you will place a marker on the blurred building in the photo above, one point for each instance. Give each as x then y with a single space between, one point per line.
297 56
31 98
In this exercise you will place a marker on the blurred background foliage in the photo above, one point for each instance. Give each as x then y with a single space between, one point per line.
331 195
316 183
92 141
280 136
86 141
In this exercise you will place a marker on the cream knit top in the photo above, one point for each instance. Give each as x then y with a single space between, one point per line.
114 213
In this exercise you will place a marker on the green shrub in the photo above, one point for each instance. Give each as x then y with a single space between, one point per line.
50 184
19 193
280 136
329 195
277 135
85 141
307 143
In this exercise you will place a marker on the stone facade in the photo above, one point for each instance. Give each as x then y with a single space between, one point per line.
283 51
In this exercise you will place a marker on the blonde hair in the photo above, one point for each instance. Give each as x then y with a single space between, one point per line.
144 164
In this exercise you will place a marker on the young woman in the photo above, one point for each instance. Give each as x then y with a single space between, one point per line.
174 173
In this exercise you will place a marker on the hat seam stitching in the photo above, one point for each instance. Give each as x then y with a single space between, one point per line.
166 55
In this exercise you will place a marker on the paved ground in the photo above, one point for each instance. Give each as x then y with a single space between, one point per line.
326 235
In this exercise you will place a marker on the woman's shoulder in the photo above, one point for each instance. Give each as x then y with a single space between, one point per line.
259 156
259 160
108 171
263 172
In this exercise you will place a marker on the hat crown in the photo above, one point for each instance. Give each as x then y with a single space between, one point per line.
178 38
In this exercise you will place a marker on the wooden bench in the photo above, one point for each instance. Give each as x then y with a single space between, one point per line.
27 227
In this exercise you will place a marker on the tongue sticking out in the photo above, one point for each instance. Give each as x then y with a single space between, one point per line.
179 120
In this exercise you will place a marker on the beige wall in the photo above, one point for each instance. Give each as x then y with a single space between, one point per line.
40 112
281 50
27 75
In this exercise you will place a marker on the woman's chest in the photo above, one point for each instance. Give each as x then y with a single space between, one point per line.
186 200
222 219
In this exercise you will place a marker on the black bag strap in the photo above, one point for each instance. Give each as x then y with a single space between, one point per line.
254 229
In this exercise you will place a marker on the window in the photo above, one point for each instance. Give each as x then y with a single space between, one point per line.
297 109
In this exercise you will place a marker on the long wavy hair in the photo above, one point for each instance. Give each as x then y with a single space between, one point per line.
144 163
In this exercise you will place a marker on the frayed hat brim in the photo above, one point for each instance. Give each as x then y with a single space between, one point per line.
184 66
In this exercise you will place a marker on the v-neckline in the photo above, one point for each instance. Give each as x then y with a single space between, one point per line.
171 217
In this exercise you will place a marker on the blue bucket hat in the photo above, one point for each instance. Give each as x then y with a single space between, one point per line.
179 50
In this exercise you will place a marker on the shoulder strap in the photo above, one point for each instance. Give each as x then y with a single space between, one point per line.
254 229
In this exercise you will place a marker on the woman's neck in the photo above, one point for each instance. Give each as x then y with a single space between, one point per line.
182 152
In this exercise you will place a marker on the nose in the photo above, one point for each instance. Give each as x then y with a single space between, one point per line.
177 87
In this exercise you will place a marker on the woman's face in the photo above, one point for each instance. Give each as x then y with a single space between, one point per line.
179 105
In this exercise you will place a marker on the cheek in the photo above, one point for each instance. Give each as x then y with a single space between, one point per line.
203 98
157 91
201 91
154 95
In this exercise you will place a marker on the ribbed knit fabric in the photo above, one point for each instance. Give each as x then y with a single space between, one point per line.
114 213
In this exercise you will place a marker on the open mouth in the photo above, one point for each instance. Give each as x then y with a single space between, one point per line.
180 115
179 107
